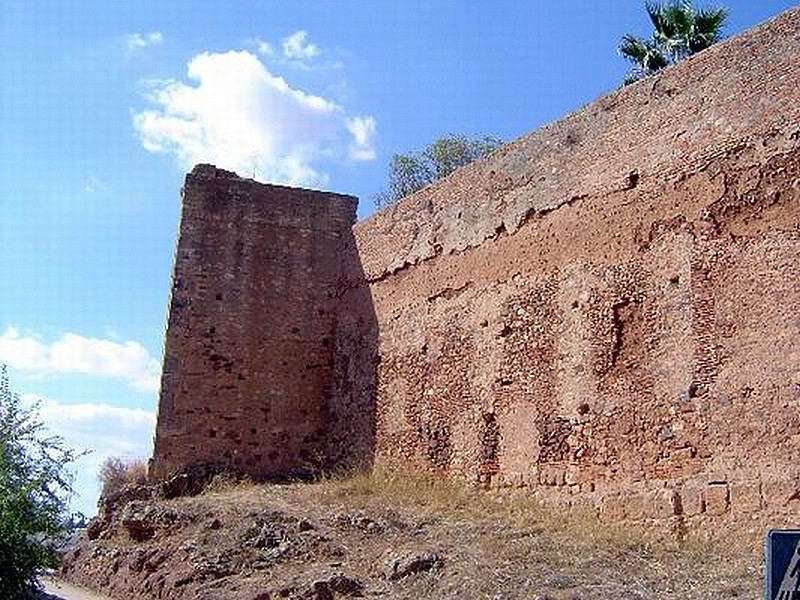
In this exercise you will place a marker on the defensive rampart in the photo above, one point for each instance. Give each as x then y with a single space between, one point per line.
604 311
607 310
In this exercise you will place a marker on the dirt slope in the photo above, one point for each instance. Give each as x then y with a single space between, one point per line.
391 538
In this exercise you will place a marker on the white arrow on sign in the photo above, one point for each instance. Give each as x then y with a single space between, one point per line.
790 585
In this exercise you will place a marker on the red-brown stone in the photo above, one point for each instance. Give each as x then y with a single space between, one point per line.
540 318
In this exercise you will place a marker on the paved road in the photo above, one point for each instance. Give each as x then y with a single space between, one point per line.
55 589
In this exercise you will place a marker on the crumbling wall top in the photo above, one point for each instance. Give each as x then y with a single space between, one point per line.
663 127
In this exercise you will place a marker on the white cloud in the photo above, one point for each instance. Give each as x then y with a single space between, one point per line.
297 47
362 130
83 418
242 117
264 48
137 41
104 430
72 353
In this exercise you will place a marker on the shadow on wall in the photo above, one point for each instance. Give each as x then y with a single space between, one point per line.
352 399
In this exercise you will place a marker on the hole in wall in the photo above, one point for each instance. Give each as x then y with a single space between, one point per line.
631 180
490 444
628 344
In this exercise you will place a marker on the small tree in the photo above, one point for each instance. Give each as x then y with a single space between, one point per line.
411 172
35 487
680 30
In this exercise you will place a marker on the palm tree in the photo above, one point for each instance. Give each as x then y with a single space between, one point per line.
681 30
647 56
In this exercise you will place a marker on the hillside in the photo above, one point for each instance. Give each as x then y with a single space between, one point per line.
393 537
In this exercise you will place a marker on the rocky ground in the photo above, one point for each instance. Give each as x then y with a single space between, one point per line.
390 537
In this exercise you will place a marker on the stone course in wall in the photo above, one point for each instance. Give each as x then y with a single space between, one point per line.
606 311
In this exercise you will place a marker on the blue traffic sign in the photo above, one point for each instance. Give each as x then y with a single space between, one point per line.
782 564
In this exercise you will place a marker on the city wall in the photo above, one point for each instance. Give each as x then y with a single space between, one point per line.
607 311
604 312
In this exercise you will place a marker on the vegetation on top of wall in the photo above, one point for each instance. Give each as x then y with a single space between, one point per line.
411 172
680 30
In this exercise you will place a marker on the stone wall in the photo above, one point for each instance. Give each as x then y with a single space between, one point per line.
256 315
606 310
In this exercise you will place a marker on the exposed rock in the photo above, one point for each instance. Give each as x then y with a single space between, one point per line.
361 521
402 566
325 588
141 520
189 482
320 587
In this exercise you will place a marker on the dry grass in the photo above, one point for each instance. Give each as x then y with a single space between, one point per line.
495 546
573 554
117 472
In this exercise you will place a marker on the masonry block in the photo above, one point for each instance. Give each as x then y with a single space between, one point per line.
716 498
745 496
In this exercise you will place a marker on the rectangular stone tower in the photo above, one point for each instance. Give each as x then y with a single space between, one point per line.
250 341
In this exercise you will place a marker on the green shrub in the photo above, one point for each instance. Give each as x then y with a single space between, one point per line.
35 487
411 172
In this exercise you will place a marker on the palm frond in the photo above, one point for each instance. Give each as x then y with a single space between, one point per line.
656 60
711 19
655 10
708 25
633 48
646 55
632 78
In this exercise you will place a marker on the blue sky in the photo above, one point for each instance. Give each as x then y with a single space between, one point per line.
105 105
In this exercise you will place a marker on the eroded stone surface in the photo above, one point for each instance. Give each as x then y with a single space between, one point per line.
605 311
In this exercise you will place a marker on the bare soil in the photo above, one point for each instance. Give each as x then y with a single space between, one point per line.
394 537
